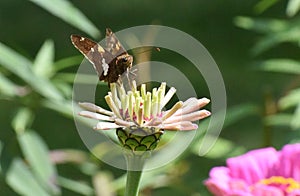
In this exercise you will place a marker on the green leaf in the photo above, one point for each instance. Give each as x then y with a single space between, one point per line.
221 149
280 65
63 87
1 148
22 67
70 14
295 123
43 63
22 120
278 120
291 35
80 78
290 100
63 107
261 25
263 5
15 62
7 87
293 7
78 187
67 62
238 112
22 181
37 154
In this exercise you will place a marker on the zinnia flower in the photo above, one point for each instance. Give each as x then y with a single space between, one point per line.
138 115
261 172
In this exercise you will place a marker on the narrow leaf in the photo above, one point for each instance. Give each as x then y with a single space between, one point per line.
22 67
43 63
1 148
236 113
261 25
63 107
7 87
70 14
291 99
293 7
263 5
295 122
22 120
278 120
22 181
78 187
280 65
291 35
80 78
37 154
67 62
222 148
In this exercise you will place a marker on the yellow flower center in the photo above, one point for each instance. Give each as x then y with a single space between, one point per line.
287 184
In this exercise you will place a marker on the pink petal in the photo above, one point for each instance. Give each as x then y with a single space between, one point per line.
254 165
264 190
221 184
290 161
218 181
294 193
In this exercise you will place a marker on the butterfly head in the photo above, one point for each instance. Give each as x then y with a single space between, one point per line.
125 61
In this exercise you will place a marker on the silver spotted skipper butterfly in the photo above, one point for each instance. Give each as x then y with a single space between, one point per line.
109 62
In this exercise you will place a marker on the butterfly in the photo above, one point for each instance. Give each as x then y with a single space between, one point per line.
109 62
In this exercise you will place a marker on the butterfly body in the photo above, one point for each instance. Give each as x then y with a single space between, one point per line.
109 62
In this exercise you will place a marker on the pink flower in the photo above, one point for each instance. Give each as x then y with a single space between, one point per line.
261 172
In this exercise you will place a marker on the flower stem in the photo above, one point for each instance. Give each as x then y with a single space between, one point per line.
135 165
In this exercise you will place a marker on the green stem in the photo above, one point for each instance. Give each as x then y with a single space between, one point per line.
135 165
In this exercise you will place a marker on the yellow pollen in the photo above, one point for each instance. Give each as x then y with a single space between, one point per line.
290 183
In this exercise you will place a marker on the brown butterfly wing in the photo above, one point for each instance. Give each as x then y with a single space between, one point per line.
95 54
113 45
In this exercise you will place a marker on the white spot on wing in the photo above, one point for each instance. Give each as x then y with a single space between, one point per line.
105 67
82 39
92 49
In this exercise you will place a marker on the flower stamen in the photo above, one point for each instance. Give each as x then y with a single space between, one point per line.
288 184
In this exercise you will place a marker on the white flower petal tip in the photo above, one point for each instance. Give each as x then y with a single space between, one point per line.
194 116
106 126
205 113
94 108
96 116
180 126
203 101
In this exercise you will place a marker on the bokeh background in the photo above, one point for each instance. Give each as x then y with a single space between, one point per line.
255 44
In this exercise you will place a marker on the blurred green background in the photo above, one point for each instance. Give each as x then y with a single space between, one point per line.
255 44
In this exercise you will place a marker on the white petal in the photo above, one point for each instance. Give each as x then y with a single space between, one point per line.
183 126
112 105
96 116
167 97
123 123
94 108
192 105
106 126
188 117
